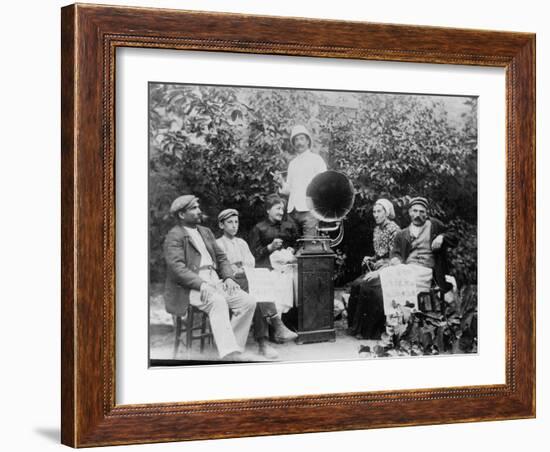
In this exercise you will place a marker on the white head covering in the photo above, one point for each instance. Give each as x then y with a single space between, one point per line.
299 130
387 206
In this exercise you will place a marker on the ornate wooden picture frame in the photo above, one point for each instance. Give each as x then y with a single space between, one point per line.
90 37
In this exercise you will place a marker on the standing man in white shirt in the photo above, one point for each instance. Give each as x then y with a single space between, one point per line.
301 170
198 272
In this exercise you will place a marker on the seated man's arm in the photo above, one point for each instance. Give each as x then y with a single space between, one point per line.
446 237
175 260
450 237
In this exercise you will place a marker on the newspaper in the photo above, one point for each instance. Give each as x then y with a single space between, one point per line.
398 288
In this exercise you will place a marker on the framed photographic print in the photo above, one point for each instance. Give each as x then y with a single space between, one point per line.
281 225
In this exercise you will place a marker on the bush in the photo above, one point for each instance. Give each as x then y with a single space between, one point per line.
223 143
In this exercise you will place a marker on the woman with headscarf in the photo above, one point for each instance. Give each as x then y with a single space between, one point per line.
366 317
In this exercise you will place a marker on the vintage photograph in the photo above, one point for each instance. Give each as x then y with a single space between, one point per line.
290 225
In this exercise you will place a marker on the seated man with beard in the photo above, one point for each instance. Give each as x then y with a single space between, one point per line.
422 246
198 272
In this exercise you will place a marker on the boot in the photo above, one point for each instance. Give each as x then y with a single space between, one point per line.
281 333
266 350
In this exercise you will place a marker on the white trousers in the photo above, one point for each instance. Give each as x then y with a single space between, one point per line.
423 277
230 335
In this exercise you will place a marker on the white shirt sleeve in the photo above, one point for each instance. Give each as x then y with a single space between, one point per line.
322 165
248 259
290 183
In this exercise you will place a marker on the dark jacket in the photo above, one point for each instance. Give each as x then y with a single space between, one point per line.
402 249
182 266
263 234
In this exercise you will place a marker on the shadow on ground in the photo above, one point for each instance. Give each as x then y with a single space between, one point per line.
50 433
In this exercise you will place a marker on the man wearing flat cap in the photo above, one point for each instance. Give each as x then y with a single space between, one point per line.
199 273
239 256
423 246
301 171
236 249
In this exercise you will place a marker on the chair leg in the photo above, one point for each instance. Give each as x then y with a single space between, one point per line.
177 335
203 331
189 330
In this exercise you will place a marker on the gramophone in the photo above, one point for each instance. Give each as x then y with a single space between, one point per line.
330 197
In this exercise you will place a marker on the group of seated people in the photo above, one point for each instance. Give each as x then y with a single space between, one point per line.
420 249
214 275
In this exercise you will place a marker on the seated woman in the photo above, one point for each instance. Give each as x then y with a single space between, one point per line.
272 234
366 317
241 258
272 242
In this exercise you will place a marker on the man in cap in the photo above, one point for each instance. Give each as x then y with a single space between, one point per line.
423 246
199 273
301 170
236 249
239 256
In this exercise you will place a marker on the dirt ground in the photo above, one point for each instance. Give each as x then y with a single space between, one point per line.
161 337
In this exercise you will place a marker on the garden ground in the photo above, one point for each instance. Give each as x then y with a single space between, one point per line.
162 343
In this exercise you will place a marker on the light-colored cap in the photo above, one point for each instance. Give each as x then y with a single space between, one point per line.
182 203
227 213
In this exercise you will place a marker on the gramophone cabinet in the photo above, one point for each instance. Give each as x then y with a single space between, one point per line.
315 298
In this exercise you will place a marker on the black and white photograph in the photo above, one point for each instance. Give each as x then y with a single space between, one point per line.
292 225
275 226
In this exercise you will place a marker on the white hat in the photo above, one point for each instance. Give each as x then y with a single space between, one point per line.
299 130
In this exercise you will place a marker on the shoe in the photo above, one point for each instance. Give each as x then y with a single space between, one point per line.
281 332
233 356
267 351
273 339
239 357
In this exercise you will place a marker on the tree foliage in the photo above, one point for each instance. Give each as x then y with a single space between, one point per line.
223 144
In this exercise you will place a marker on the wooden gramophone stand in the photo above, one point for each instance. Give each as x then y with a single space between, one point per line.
315 299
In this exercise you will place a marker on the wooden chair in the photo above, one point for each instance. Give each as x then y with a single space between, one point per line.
432 300
187 325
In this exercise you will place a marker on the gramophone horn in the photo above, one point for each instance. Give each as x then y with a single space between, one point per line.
330 196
